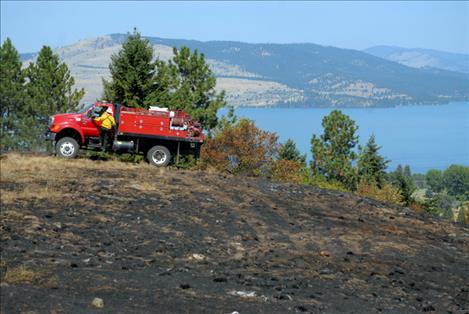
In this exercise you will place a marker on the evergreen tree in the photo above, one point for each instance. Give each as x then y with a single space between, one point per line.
132 73
371 165
456 181
440 204
185 82
194 90
402 179
49 91
11 95
434 179
407 171
288 151
333 151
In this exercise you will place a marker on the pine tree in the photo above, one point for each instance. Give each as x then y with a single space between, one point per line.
49 91
333 151
288 151
371 165
194 91
132 73
185 82
402 179
12 95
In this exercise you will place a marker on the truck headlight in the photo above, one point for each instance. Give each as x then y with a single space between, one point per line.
50 122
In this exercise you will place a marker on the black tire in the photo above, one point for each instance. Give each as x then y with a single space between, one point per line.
159 156
67 147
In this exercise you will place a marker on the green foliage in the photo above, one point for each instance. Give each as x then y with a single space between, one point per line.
185 82
463 213
186 162
324 183
132 73
371 165
386 193
456 181
402 179
132 158
420 180
289 171
194 90
288 151
434 179
440 204
29 97
12 95
333 151
49 91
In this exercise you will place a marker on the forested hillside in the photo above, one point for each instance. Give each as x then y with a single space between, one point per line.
285 74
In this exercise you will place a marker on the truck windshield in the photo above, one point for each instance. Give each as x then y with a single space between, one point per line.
84 107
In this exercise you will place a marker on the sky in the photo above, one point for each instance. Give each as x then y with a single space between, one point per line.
356 25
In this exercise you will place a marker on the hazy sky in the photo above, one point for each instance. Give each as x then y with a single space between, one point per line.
357 25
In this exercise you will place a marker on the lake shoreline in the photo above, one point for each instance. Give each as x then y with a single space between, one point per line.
422 136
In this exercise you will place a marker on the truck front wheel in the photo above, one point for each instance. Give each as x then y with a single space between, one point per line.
67 147
159 156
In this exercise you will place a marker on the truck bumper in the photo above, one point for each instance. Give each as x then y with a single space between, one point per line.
50 136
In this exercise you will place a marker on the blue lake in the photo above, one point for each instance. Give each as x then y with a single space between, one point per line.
424 137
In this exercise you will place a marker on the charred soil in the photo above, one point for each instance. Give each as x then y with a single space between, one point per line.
88 236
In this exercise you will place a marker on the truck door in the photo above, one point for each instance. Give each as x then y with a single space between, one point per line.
88 126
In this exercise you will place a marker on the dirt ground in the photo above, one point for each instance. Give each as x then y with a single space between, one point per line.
148 240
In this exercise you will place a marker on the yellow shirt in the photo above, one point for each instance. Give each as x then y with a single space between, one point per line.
107 121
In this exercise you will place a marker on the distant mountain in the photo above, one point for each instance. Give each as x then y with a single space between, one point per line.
284 74
420 58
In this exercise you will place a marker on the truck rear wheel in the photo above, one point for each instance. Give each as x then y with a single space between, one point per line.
159 156
67 147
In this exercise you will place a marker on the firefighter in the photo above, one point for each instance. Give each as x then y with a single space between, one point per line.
107 124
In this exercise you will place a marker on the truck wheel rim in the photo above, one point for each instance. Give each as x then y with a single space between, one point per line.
67 149
159 157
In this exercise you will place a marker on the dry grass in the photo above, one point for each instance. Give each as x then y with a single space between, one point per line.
42 177
36 192
21 274
14 165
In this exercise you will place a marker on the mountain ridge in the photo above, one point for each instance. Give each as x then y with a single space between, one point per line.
298 74
422 57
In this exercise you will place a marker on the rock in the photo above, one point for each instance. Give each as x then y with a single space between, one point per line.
243 294
197 257
283 297
324 254
98 303
326 271
428 308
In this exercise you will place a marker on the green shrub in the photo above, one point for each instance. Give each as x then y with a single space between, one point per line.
387 193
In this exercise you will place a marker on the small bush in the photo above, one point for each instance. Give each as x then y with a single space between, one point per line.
288 171
388 193
186 162
323 183
21 274
463 213
133 158
240 148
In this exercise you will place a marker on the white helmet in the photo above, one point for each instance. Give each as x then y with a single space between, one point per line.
109 110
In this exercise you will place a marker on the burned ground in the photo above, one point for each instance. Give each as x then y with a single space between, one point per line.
153 240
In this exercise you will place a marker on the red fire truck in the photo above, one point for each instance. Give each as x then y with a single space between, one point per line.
158 133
